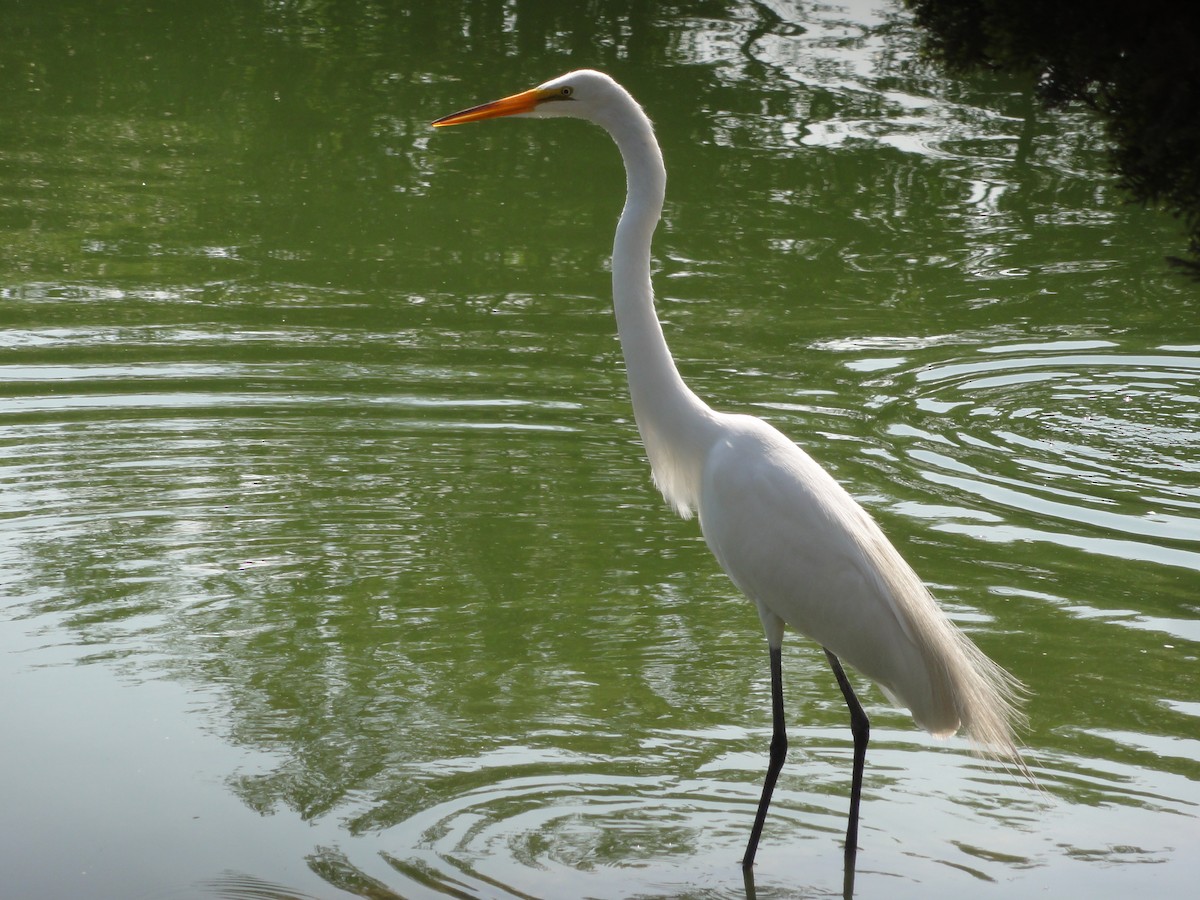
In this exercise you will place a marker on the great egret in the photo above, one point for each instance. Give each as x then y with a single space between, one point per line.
788 535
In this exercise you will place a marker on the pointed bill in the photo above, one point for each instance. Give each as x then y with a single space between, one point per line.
523 102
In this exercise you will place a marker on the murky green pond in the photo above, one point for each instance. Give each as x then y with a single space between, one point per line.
329 557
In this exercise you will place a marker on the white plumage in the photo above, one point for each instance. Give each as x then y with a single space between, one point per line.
788 535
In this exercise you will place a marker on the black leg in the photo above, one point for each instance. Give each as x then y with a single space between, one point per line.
748 883
778 753
860 727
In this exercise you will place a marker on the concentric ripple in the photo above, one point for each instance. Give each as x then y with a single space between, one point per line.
587 833
554 827
1078 443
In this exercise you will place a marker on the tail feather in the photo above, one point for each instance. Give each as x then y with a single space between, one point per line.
989 703
967 690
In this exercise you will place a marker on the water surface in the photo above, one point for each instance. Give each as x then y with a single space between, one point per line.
330 560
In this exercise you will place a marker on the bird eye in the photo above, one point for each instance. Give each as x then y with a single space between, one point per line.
567 91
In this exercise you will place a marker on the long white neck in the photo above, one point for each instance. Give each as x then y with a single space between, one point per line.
675 424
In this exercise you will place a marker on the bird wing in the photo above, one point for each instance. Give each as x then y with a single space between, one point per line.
804 551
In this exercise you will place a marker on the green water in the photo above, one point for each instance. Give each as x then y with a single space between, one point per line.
329 557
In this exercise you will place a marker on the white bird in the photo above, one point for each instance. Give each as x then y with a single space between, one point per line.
788 535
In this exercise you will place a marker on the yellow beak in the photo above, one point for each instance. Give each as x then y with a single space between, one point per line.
507 106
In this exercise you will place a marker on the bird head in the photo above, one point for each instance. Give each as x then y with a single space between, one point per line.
583 94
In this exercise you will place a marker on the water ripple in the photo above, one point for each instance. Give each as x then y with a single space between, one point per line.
1091 450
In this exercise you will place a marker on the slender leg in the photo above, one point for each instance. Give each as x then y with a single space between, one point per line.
779 746
748 883
860 727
